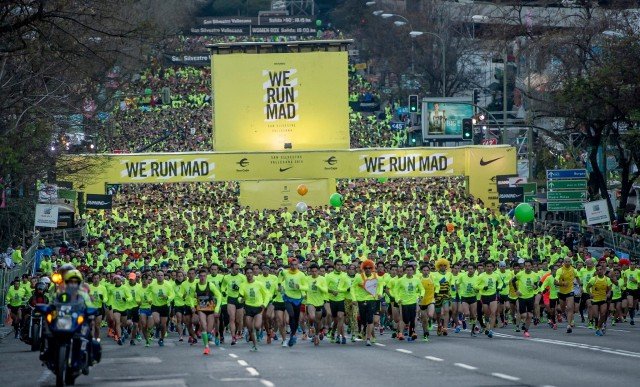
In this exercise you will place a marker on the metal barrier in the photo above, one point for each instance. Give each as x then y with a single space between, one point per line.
615 240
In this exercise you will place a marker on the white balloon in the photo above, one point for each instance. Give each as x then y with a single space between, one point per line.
301 207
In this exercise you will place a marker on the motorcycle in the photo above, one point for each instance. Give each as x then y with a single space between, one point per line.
69 348
32 328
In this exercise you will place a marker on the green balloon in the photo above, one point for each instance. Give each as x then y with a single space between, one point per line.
319 23
382 179
336 200
524 213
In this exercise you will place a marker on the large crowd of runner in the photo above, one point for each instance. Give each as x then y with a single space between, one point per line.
402 257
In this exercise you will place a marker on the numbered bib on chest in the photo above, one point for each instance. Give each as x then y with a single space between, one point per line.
371 286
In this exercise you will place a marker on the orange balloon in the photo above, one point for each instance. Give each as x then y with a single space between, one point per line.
302 189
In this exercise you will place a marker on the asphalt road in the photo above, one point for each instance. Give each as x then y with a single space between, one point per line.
548 358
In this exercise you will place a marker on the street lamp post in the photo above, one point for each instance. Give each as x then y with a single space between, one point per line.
414 34
399 23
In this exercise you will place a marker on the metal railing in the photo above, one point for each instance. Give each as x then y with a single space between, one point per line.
615 240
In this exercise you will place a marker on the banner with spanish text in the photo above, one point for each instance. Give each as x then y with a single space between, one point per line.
273 102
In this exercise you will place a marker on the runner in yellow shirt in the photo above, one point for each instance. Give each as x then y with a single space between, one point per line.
365 292
428 302
564 279
468 296
599 287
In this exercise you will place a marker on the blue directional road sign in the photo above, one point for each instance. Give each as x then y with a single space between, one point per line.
554 174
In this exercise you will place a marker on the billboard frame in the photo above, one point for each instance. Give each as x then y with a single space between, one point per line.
447 100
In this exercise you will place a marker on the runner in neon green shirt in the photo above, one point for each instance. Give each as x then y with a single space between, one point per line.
408 289
315 298
161 295
526 283
256 298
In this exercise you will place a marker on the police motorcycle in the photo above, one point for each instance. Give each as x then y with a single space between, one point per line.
31 333
68 348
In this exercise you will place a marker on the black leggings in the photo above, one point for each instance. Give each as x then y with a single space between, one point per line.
409 316
294 316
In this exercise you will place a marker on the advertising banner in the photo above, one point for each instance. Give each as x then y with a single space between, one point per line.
442 118
274 102
276 194
46 215
510 194
597 212
480 164
188 59
66 220
483 165
99 202
263 20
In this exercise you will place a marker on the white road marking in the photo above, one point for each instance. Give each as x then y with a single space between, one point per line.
403 350
547 385
252 371
505 377
132 360
149 383
433 358
243 363
609 329
233 355
125 379
237 379
465 366
46 374
380 345
267 383
612 351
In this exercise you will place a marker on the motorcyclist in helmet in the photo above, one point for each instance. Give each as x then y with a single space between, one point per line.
73 287
39 295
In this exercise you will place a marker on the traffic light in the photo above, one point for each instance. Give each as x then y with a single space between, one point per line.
476 96
413 103
467 129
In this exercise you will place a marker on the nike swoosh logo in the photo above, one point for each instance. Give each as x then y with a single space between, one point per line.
285 169
483 163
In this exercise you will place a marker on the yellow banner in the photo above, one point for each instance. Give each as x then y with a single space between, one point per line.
272 102
275 194
483 164
480 163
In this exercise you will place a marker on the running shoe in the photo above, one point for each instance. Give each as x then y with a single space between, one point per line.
457 330
233 340
569 330
321 336
275 337
181 339
394 335
190 341
269 339
161 342
316 341
464 325
246 335
526 334
284 344
139 337
147 343
413 337
132 342
381 331
590 326
254 349
410 339
216 341
206 351
490 334
599 333
343 340
292 341
353 339
517 329
555 327
374 340
119 341
425 338
445 332
368 343
400 336
632 322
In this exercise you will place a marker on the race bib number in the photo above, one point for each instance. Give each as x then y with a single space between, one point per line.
371 286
